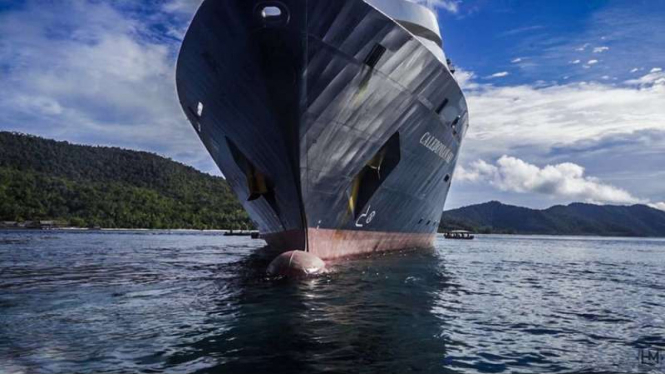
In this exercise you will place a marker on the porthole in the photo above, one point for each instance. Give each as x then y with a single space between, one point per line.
271 11
272 14
456 121
446 178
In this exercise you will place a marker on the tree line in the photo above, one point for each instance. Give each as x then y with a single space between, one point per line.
83 186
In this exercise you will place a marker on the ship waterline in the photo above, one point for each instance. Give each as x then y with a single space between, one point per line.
336 124
330 244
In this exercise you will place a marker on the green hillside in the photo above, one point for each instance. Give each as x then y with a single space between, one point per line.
43 179
83 186
573 219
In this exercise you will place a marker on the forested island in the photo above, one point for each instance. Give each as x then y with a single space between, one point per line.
91 186
573 219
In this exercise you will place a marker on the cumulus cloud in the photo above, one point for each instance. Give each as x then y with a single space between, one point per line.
617 129
500 74
601 49
565 181
592 62
516 60
575 62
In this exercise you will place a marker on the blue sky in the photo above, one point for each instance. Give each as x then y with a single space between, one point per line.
567 97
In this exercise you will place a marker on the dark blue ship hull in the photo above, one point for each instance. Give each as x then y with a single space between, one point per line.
336 128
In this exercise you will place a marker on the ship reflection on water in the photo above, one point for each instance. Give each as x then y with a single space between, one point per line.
197 302
336 322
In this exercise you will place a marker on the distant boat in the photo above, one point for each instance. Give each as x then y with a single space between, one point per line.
253 234
459 234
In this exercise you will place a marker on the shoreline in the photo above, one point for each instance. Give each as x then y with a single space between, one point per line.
85 229
222 231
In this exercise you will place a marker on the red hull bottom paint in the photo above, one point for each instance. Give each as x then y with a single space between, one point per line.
332 244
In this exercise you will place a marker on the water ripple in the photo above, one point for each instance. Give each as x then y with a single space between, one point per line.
198 302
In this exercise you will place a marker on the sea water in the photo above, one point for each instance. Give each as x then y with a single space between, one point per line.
181 302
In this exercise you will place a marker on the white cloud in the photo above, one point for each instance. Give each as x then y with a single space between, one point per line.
634 70
656 70
542 123
564 181
465 78
575 62
659 206
520 116
516 60
38 105
601 49
500 74
655 77
182 6
592 62
92 73
582 48
451 6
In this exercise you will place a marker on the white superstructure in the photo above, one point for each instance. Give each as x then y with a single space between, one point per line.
417 19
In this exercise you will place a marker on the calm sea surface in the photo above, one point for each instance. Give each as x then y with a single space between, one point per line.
198 302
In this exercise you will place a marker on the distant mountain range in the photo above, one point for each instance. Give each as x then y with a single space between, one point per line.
573 219
75 185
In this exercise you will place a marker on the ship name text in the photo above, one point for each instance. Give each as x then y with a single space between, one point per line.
435 145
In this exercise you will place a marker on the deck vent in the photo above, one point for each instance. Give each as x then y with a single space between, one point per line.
375 55
441 106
